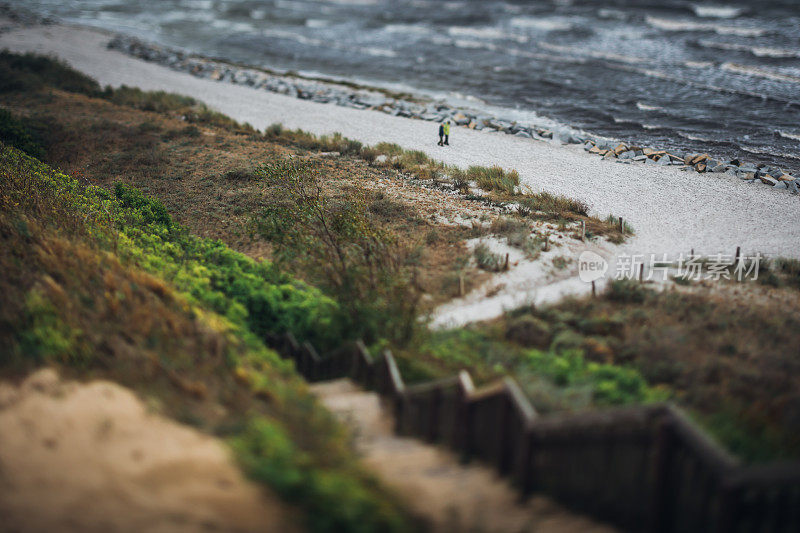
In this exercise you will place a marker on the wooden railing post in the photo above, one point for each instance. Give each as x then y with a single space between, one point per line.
433 421
645 467
727 512
663 492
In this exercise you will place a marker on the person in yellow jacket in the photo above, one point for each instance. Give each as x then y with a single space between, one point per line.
444 133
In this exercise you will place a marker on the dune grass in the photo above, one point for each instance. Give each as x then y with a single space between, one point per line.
106 283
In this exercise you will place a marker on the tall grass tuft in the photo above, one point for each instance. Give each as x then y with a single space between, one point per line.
552 203
494 178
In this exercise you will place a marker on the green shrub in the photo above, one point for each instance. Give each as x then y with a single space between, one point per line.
529 331
341 248
494 179
486 259
609 384
389 149
459 179
14 132
32 72
626 291
551 203
332 500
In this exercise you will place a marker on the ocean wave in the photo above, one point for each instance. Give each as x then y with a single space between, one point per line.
758 51
692 137
417 29
688 25
615 14
761 151
310 41
229 25
317 23
486 32
378 52
597 54
544 24
678 79
645 107
698 64
788 135
197 4
717 12
758 72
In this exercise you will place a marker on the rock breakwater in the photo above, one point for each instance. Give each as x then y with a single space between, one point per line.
353 96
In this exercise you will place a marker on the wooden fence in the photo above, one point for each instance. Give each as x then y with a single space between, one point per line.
643 468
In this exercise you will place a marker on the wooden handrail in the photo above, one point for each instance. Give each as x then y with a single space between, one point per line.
523 443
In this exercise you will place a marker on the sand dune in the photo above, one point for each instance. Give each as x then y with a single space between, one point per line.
671 211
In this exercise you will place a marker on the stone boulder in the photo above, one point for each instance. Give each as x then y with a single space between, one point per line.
461 119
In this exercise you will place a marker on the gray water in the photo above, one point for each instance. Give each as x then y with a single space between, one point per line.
723 78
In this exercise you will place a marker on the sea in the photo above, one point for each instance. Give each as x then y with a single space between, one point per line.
722 77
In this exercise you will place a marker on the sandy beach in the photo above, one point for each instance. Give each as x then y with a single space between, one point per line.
671 211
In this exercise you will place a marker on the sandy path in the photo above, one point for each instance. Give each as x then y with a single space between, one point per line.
434 481
671 211
89 457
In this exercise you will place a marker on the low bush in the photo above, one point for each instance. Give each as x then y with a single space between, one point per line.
494 179
33 72
332 502
552 203
342 250
14 132
488 260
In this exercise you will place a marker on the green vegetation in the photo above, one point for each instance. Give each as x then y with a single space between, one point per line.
486 259
332 502
494 179
546 202
780 272
341 247
728 364
14 132
309 141
503 185
107 283
31 72
555 378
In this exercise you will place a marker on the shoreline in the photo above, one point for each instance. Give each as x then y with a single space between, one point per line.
671 211
357 96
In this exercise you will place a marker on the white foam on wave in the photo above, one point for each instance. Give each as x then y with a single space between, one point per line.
759 151
378 52
758 51
788 135
692 137
543 24
645 107
749 70
417 29
689 25
229 25
586 52
310 41
485 32
615 14
197 4
317 23
716 11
